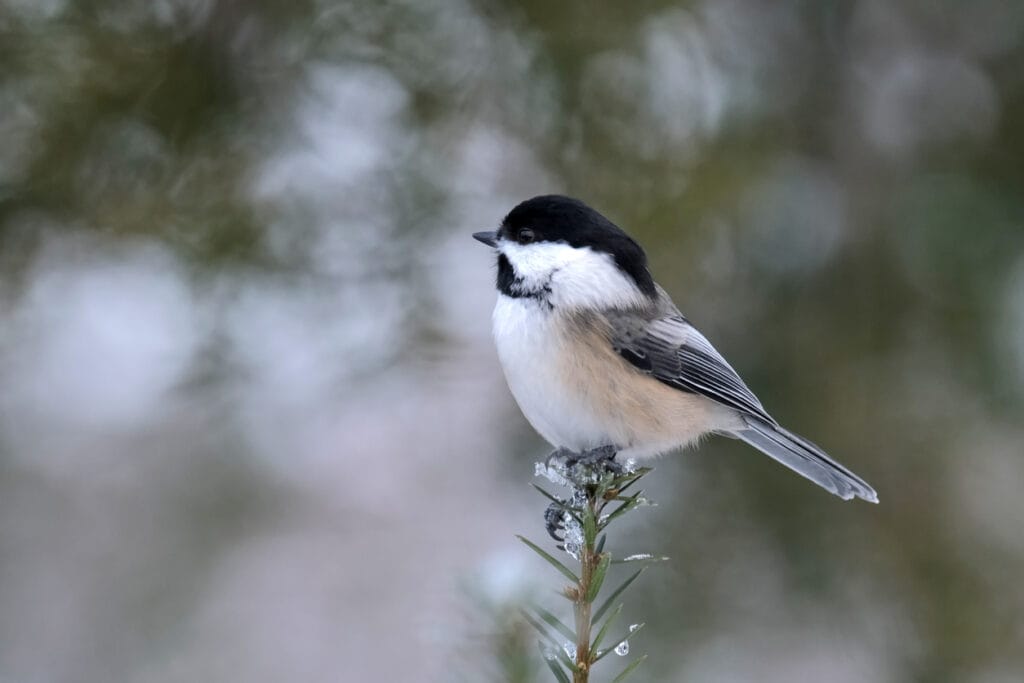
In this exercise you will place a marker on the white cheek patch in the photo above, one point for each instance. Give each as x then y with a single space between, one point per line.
534 263
576 277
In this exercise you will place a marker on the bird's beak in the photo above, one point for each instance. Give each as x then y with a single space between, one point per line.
489 237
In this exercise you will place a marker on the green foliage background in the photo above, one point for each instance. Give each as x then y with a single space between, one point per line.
243 330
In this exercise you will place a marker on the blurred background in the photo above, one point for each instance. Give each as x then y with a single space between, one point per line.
252 425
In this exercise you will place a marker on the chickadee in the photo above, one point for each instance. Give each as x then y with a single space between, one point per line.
598 356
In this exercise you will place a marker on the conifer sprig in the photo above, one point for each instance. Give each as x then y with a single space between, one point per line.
596 497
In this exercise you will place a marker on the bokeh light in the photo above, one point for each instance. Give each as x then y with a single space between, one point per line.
252 425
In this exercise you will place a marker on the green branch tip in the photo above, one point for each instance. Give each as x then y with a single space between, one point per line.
578 519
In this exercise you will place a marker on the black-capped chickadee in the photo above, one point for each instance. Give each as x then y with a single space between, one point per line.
598 356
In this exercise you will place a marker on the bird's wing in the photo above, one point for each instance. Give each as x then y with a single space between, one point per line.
666 346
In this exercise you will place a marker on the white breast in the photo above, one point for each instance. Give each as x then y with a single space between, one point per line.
532 349
578 393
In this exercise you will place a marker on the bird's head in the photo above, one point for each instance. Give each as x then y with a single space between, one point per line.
565 254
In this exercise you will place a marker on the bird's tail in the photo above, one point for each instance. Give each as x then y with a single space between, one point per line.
804 458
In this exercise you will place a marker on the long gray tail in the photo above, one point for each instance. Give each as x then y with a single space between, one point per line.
804 458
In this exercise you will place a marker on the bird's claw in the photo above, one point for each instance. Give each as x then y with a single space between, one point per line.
559 454
553 522
595 460
602 455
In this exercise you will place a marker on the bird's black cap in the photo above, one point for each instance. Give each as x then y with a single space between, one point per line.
555 218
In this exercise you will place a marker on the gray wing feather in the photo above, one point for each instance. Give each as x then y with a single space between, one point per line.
806 459
675 353
667 347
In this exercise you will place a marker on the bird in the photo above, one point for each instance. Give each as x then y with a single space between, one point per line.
599 358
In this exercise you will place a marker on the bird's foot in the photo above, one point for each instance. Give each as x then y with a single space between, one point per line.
577 471
553 517
602 456
563 454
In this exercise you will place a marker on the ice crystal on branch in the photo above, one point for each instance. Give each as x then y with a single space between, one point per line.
595 491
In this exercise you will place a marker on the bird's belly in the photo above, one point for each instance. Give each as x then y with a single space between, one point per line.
532 350
579 394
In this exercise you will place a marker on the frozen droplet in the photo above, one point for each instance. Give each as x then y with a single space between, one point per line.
550 654
622 649
633 627
570 650
555 473
573 540
630 466
638 557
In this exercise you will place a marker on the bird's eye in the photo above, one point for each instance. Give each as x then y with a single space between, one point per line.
526 236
